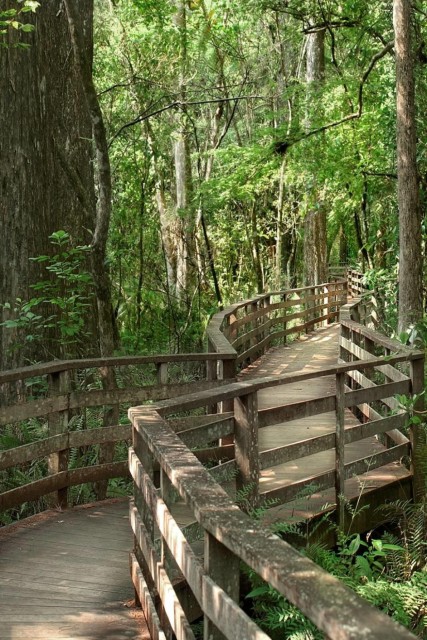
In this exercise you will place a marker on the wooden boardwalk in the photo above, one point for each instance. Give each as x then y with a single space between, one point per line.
311 353
65 575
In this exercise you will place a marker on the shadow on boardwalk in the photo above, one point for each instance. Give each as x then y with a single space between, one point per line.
65 575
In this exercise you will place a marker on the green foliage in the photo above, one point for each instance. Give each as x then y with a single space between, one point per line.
12 20
383 283
57 315
388 571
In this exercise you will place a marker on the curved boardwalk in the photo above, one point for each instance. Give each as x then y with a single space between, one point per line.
310 353
65 575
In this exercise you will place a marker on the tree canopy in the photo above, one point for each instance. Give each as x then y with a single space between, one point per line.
227 127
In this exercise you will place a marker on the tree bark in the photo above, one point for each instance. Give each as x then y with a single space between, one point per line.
46 176
410 237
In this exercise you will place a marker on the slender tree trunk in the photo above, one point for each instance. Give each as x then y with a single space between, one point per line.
279 228
103 209
185 222
410 238
315 235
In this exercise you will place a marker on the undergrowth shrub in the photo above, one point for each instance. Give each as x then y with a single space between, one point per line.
390 572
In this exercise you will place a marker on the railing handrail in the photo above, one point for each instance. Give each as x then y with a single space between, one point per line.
56 366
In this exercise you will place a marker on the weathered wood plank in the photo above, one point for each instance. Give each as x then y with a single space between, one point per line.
42 448
296 410
237 389
55 594
297 450
146 601
56 366
246 446
100 397
389 343
376 460
72 477
377 392
375 427
394 374
318 482
189 422
171 605
207 433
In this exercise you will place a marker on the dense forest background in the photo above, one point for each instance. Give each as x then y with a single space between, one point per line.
185 154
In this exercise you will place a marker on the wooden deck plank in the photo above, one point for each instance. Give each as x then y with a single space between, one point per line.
71 570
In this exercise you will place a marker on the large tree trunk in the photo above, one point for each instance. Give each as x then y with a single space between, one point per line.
410 239
46 176
315 236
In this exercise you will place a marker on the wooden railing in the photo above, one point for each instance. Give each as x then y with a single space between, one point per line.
373 369
61 393
163 466
251 327
361 343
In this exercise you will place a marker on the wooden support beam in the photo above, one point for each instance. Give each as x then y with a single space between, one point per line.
246 446
59 384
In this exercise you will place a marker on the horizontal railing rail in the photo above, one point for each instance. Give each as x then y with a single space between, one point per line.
251 327
183 430
64 395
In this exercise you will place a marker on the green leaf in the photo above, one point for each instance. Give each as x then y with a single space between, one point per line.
354 545
377 544
258 591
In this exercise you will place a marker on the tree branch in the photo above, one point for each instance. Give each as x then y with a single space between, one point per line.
178 104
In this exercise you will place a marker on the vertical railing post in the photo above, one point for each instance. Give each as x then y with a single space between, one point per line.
285 313
417 431
345 293
327 290
229 373
344 354
59 384
224 568
339 450
254 326
232 334
145 457
211 373
265 318
246 447
162 373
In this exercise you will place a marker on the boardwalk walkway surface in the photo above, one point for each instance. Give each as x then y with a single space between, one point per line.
65 575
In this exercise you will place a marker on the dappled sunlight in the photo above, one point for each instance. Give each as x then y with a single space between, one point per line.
110 624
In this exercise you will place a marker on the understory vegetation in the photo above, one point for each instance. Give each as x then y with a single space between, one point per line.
388 568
